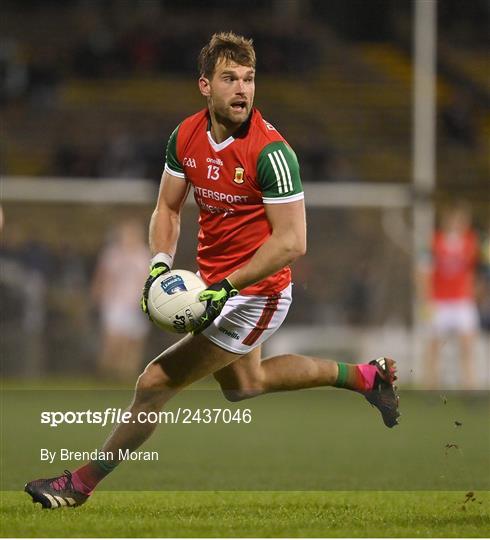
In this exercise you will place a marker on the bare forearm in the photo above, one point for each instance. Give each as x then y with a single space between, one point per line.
274 254
164 232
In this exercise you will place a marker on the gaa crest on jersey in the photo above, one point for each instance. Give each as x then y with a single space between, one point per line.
239 175
190 162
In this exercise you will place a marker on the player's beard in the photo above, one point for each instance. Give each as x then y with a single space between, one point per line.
230 120
224 115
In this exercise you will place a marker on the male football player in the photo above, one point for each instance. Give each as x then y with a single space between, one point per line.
448 285
246 182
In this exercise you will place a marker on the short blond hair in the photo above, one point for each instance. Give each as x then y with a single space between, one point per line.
229 46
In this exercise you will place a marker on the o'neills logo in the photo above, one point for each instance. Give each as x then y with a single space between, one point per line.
238 175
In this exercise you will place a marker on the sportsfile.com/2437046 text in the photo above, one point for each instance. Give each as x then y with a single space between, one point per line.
181 415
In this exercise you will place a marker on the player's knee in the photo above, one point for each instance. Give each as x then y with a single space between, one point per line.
238 384
243 391
153 389
232 395
152 378
240 395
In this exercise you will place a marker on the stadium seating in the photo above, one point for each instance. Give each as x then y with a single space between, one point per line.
348 113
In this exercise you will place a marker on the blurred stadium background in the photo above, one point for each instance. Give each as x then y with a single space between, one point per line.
90 92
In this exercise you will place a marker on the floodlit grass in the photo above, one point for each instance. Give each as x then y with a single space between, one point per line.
253 514
310 464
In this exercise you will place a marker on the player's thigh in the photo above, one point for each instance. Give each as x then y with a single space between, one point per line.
468 318
189 360
244 372
443 319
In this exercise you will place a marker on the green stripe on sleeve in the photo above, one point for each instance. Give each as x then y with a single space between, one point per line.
278 171
171 160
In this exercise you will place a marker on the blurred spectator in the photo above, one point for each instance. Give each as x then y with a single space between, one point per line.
96 54
122 157
448 283
121 271
314 153
43 77
357 299
484 281
75 161
13 71
458 119
142 46
25 266
341 170
70 343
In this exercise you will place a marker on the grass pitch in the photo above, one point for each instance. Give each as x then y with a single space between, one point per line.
325 440
310 464
254 514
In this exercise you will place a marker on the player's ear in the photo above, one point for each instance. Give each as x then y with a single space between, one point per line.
204 86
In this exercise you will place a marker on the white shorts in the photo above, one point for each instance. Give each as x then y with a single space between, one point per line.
459 316
130 323
247 321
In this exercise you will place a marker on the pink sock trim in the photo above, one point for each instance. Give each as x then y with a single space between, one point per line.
368 374
79 485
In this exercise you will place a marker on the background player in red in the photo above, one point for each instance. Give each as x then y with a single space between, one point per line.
450 292
246 182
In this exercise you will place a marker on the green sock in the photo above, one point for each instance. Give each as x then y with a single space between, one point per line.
106 466
342 376
350 377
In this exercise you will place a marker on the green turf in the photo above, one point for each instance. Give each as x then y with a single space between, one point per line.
317 440
310 464
252 514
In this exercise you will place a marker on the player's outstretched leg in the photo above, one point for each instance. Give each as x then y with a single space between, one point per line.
56 492
187 361
251 376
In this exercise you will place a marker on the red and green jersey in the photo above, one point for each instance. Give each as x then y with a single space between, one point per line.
454 266
232 182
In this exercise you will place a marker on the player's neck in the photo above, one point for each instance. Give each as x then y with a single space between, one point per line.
220 131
